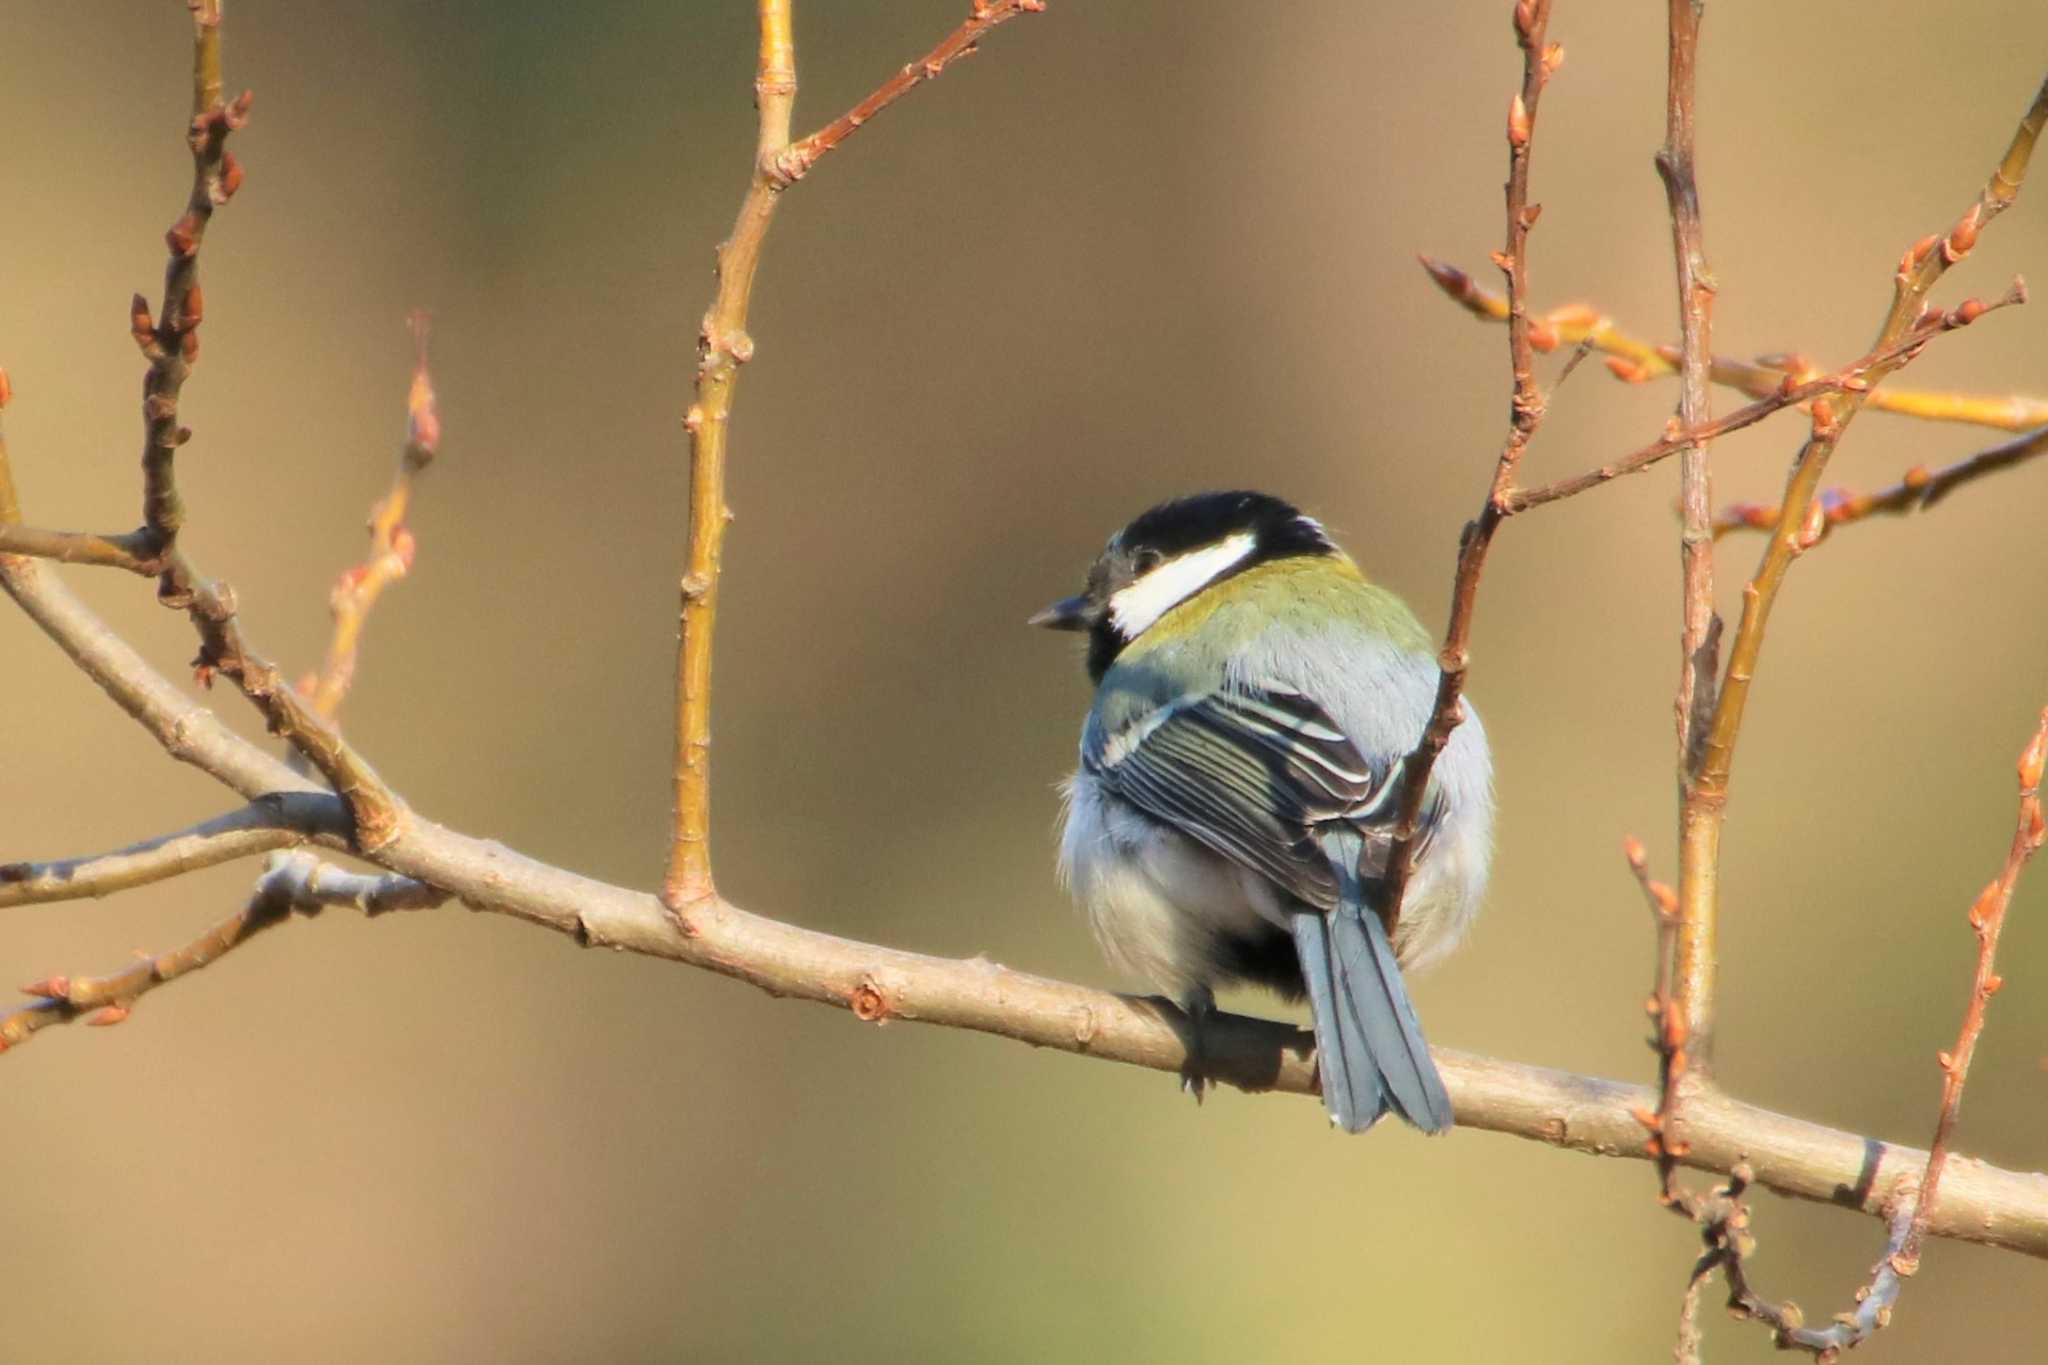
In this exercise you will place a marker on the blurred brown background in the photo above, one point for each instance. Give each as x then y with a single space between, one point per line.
1128 250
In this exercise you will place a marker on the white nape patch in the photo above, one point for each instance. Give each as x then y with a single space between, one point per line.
1136 607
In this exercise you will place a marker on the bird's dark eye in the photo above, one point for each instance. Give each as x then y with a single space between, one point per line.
1148 560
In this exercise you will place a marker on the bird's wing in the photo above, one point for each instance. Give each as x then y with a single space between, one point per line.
1257 775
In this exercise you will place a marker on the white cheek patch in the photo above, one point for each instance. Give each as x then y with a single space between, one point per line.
1133 609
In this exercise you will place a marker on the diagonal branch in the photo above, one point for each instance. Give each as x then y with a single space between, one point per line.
279 820
1919 489
293 882
392 545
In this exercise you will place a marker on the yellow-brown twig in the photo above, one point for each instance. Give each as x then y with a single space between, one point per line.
723 346
1636 361
392 545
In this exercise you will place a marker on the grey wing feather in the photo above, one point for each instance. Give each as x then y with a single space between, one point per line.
1258 777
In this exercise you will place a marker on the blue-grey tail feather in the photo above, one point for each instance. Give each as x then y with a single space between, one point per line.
1351 1082
1368 1040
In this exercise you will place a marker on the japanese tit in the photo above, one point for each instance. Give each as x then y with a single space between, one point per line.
1234 808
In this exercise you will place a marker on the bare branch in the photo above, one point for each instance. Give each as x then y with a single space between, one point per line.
1916 491
1635 361
293 882
392 545
792 162
1540 58
280 820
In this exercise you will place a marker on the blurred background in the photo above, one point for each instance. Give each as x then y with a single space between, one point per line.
1128 250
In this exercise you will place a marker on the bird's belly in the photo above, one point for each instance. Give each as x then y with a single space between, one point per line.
1165 909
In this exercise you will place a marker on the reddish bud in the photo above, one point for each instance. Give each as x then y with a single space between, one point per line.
405 547
1666 898
195 307
2034 757
1918 252
183 237
1981 909
50 988
1518 123
1962 236
1503 260
1992 984
1966 312
1553 58
1947 1060
236 115
1542 337
693 420
1627 371
106 1018
230 176
1824 423
6 388
1633 850
1647 1117
140 324
1673 429
1525 18
2037 827
188 346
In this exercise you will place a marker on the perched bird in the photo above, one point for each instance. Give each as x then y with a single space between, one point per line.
1239 779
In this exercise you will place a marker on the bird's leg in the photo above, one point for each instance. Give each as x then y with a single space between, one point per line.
1198 1004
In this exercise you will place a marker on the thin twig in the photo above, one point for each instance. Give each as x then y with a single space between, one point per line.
794 161
723 346
392 545
1667 1039
1917 490
1689 1003
1539 59
1987 921
279 820
1633 360
293 882
171 344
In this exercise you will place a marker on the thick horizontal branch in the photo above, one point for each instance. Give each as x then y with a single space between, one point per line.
279 820
1979 1203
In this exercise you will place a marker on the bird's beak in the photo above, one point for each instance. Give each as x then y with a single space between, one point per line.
1069 613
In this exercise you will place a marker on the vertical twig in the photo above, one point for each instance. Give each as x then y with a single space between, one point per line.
1699 823
1987 921
1539 59
722 347
392 545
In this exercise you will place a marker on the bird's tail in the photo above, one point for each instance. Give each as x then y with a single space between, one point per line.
1368 1042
